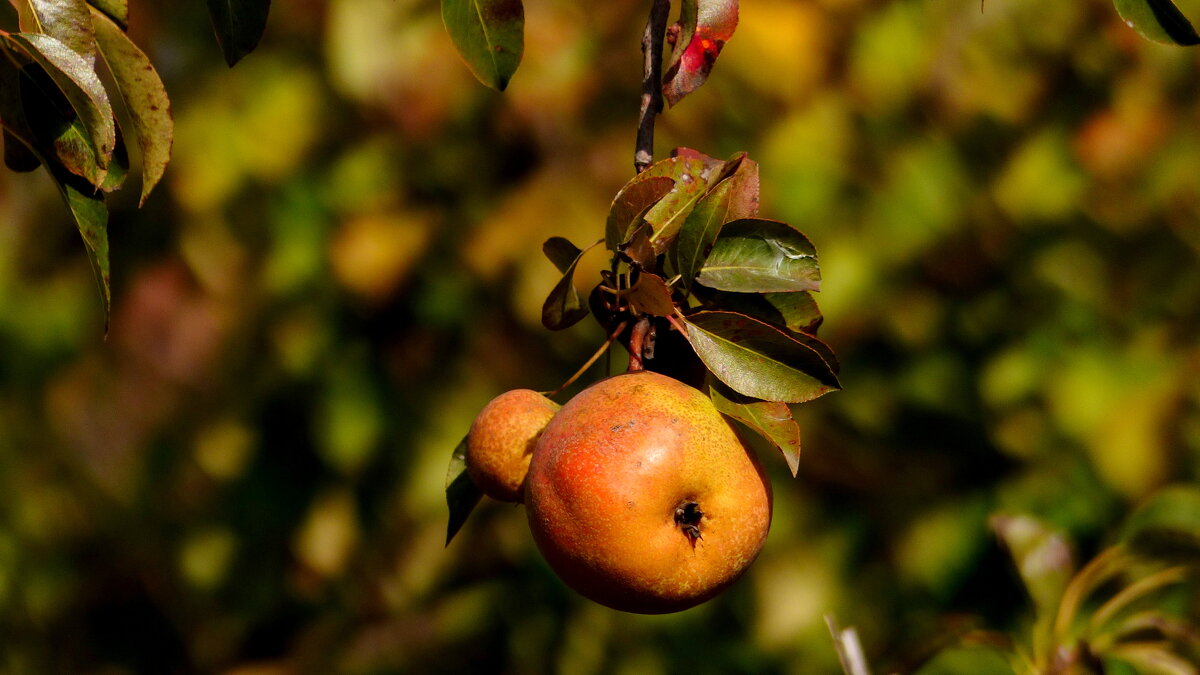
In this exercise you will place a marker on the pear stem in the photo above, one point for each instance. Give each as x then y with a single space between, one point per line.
583 369
638 344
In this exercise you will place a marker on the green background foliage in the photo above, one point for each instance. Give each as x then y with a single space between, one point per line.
345 264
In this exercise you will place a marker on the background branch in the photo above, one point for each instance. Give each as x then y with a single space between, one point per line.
652 100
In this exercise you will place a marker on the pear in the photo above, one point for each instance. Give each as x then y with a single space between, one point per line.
642 497
501 441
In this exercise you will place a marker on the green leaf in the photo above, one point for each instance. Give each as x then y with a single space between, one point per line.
651 295
83 200
239 25
1135 592
1167 526
144 96
759 360
668 215
771 419
1042 556
461 492
632 202
1152 658
67 21
489 36
700 230
39 112
77 80
564 307
705 27
761 256
733 195
797 312
118 167
117 10
561 252
1158 20
91 218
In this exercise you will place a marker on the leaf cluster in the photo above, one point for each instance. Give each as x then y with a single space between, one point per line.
1117 607
62 72
57 112
690 255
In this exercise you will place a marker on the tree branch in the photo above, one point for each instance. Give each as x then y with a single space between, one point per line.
652 101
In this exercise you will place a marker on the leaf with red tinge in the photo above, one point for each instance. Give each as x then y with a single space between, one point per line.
239 25
489 36
743 171
67 21
638 195
759 360
462 495
145 99
691 173
564 307
771 419
651 295
705 27
77 80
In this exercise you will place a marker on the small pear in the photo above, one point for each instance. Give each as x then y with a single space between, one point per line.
501 440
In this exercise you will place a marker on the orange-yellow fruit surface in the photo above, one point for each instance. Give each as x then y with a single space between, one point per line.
501 441
643 498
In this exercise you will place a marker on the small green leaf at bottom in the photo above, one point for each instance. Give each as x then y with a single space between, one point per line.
770 419
91 218
461 492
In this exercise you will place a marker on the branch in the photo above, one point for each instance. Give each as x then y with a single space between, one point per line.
652 102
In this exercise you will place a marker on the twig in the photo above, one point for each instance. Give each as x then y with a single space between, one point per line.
849 649
652 102
582 369
637 343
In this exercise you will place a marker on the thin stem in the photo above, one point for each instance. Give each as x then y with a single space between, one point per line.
637 344
652 102
583 369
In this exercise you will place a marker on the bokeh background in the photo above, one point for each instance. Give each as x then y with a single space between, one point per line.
343 265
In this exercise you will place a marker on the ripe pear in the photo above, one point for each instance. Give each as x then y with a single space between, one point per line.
501 441
642 497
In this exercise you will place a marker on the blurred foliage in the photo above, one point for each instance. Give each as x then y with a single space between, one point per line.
247 475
